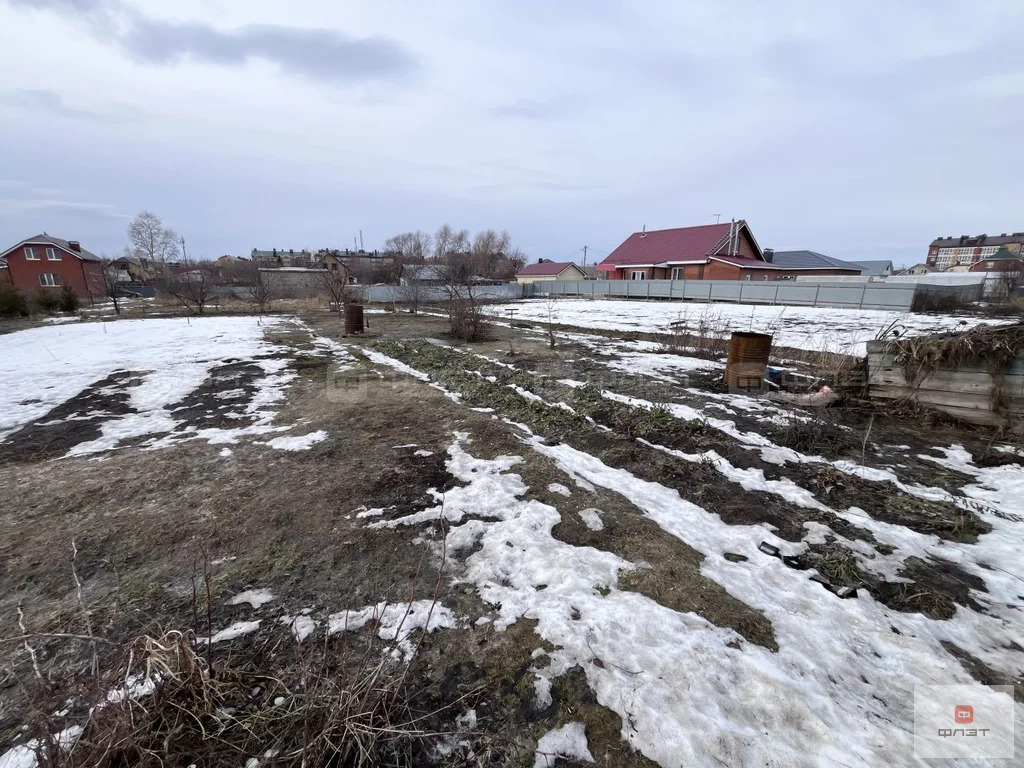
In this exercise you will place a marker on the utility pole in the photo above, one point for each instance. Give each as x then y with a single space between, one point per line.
184 256
584 255
360 239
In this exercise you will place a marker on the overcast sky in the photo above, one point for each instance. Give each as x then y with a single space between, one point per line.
858 129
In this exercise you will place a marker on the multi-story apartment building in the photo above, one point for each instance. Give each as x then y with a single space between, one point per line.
946 252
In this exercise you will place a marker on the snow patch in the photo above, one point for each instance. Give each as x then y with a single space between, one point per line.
298 442
592 519
254 597
568 741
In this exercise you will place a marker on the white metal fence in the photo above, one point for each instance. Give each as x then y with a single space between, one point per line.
887 296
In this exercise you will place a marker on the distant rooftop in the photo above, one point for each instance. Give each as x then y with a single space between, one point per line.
810 260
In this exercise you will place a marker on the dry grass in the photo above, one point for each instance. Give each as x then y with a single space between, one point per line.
166 704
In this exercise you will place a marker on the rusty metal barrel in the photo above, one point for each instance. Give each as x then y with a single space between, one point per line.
748 358
353 318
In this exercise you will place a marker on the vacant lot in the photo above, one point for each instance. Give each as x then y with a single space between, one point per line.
811 328
567 545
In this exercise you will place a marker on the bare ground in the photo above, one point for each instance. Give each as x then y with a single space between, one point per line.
146 533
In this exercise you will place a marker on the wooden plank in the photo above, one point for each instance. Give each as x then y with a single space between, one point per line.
984 418
952 381
879 359
951 399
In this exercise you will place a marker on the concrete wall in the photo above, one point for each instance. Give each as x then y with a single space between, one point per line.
295 283
895 297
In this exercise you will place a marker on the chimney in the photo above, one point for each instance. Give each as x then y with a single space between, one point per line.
769 255
74 245
643 232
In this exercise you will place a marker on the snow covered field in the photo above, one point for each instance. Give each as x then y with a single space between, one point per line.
556 529
813 328
157 365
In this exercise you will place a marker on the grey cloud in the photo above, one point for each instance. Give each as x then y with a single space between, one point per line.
320 54
66 208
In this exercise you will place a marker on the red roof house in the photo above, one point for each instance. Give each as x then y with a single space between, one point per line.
549 270
45 263
711 252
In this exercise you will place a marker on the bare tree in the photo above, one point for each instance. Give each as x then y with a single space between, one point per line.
112 285
448 241
254 284
1011 277
413 293
150 240
338 288
192 284
443 239
489 243
411 246
465 320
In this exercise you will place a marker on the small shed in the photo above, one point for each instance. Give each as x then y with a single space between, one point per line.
975 375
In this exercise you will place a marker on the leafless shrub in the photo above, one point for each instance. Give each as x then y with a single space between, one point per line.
192 284
112 286
413 294
338 288
465 320
706 335
255 285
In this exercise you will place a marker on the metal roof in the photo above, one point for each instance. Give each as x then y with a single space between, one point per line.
64 245
875 267
674 245
810 260
546 268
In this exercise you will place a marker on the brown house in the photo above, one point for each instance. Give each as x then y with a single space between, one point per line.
44 263
712 252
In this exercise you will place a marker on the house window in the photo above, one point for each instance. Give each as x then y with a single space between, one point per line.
990 265
30 254
638 274
49 280
52 255
678 273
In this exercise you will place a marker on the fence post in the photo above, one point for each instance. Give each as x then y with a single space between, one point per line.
817 290
776 299
739 299
863 290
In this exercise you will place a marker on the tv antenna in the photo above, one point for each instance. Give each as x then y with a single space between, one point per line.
717 216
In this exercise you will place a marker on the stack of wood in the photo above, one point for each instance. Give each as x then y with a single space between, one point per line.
975 375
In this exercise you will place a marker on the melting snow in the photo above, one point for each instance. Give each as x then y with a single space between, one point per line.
395 622
568 741
838 691
298 442
814 328
254 597
237 629
592 519
302 626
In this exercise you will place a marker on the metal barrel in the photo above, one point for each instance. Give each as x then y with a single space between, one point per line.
353 318
748 358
